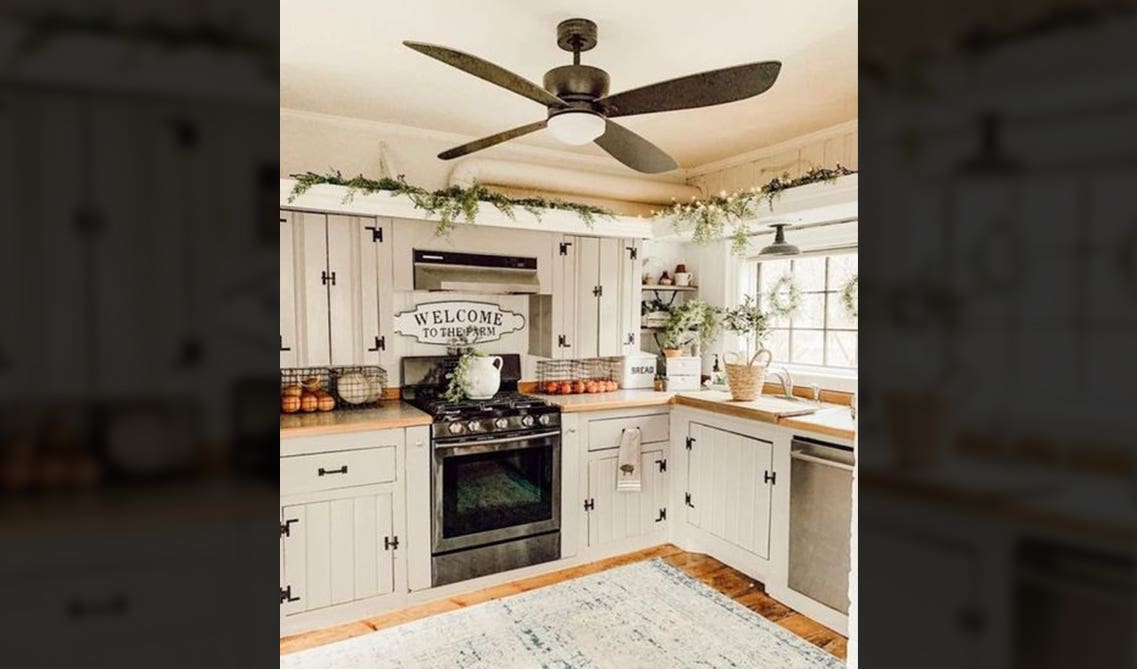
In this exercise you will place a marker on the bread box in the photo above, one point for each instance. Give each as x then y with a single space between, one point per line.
634 371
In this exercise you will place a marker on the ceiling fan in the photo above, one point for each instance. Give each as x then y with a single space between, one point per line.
581 111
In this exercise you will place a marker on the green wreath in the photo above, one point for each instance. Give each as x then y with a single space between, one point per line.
784 297
849 296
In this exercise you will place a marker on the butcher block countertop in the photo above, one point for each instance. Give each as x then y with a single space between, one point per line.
390 414
831 420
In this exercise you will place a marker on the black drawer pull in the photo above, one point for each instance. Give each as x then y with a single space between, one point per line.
342 470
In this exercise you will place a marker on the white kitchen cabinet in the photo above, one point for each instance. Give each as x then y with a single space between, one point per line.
614 517
336 551
342 527
601 316
335 290
728 492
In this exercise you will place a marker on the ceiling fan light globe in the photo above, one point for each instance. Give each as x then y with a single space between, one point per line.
577 127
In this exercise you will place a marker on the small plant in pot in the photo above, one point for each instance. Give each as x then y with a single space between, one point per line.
686 322
744 374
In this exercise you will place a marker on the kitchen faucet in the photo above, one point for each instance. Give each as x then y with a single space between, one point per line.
787 381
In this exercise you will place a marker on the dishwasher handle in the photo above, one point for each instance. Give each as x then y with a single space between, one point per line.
799 455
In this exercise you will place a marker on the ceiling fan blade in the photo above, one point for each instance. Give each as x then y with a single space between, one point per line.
486 142
696 90
483 69
633 150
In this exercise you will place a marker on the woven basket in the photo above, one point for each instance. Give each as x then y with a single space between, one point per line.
746 379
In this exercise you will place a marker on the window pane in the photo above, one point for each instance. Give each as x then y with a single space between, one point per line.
838 317
778 341
810 273
770 271
806 347
841 267
842 349
811 313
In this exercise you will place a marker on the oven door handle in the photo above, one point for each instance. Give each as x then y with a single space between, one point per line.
503 440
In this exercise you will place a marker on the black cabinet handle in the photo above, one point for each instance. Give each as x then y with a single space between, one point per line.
328 277
342 470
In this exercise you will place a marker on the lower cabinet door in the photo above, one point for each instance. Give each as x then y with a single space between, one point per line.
614 516
336 551
728 487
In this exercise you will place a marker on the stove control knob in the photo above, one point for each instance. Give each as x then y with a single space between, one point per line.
545 419
457 428
474 426
527 421
501 423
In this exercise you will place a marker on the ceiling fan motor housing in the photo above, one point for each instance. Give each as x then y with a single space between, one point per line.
577 83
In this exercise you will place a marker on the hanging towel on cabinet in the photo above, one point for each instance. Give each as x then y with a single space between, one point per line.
628 477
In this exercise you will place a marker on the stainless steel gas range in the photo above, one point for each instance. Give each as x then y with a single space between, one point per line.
496 473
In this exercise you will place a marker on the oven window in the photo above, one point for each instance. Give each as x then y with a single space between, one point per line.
491 491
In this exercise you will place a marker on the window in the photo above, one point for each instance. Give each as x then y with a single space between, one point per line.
821 333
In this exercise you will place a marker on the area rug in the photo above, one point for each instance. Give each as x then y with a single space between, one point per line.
643 615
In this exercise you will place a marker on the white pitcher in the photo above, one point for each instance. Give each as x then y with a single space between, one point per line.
483 377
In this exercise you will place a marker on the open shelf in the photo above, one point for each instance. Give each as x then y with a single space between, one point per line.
669 289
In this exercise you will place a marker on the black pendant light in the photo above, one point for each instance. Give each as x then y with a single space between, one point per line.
780 247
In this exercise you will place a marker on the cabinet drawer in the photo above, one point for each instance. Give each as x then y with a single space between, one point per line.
338 469
605 433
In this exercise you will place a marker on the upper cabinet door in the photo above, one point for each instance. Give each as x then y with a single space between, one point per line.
288 349
587 290
312 299
353 290
608 299
631 294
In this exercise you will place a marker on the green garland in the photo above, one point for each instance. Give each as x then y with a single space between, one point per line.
448 205
784 297
850 293
711 218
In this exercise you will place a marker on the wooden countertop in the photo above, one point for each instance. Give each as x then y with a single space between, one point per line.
620 399
832 420
390 414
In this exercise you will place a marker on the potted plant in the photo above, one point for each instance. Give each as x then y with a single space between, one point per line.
743 373
686 322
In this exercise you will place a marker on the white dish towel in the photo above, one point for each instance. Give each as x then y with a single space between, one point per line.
628 478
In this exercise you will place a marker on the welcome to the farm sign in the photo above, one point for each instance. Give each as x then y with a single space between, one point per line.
444 322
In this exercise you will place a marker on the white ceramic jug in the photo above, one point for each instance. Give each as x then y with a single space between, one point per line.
483 377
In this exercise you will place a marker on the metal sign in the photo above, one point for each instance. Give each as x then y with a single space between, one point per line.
458 320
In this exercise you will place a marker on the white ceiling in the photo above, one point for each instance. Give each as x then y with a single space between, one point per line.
346 57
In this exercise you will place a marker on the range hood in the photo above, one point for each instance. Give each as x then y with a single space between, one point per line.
475 273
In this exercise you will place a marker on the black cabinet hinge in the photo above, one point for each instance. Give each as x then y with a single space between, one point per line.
286 527
589 504
286 595
770 477
390 543
662 464
598 291
562 342
376 233
687 500
564 248
380 344
633 252
326 278
662 516
690 442
282 346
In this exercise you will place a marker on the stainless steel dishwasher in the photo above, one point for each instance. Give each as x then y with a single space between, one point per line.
821 511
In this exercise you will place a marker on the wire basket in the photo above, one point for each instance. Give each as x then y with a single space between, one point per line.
312 389
570 377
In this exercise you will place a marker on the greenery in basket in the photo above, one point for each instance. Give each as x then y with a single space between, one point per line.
725 213
448 205
693 318
747 320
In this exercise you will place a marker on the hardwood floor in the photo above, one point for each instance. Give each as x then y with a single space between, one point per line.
730 582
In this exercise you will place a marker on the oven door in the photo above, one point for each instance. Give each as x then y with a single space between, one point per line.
495 489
